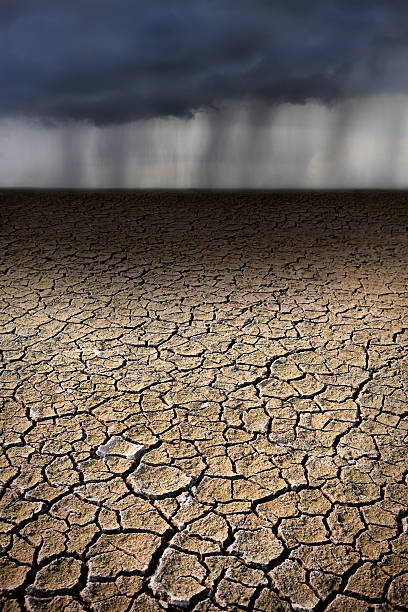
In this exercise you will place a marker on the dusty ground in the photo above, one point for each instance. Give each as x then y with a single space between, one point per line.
204 401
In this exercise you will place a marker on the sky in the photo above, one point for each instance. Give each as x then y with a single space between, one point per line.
204 93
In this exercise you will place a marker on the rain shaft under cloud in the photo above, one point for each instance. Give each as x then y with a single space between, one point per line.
209 93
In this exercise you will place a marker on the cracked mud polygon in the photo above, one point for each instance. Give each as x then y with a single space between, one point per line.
204 401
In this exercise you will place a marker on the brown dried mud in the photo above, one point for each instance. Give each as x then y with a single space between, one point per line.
204 401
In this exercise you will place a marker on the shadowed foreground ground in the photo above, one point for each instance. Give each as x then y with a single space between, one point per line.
204 401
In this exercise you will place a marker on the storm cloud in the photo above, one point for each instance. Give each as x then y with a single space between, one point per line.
110 62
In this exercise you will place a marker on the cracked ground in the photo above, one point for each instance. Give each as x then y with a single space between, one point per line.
204 401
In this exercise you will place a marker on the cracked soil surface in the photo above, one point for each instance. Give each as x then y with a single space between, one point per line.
204 401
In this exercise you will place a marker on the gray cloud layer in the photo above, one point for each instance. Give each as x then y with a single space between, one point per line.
112 61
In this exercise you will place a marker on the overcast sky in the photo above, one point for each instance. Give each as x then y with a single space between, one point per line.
210 93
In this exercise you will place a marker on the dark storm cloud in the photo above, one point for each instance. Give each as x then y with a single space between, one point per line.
111 61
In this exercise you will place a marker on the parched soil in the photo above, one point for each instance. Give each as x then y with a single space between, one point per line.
204 401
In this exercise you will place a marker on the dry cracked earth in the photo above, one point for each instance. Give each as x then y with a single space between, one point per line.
204 401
